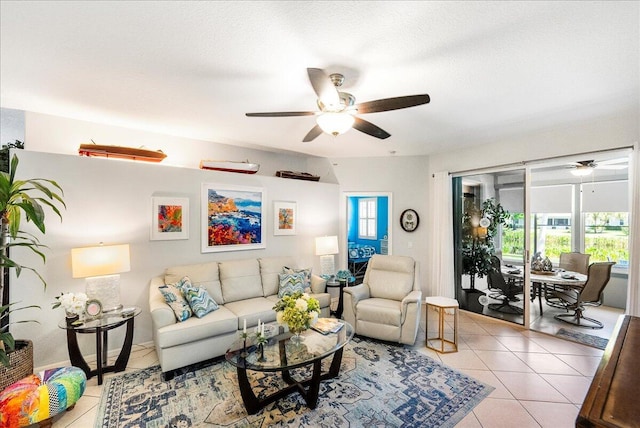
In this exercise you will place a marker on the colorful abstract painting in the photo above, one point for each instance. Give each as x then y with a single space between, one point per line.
284 216
232 218
170 218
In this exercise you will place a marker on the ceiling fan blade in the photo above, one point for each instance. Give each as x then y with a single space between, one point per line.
311 135
396 103
370 129
613 161
282 114
323 87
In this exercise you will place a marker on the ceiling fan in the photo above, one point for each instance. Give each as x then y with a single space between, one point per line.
586 167
337 109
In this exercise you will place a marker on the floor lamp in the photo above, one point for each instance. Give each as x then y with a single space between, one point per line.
326 247
101 267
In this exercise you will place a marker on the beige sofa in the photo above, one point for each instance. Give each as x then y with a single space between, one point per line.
387 305
244 290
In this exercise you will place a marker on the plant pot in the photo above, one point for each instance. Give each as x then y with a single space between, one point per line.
20 364
470 301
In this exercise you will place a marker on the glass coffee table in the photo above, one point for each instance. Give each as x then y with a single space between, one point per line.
282 354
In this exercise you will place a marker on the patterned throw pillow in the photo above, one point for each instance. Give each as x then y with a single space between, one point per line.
290 283
174 298
199 301
305 272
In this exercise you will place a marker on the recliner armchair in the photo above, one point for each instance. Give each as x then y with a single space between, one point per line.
387 305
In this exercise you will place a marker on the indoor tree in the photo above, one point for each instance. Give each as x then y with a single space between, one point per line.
479 228
17 198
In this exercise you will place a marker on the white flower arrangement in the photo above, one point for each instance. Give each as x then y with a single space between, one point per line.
71 303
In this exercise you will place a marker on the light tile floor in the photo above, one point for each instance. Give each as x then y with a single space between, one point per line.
539 380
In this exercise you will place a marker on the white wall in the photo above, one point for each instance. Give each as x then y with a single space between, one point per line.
110 201
406 179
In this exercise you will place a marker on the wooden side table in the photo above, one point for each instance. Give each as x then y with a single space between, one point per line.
100 326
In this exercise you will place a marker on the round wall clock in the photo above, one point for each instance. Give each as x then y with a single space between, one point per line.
93 308
409 220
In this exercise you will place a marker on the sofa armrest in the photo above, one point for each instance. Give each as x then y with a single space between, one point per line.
350 298
414 297
161 313
318 284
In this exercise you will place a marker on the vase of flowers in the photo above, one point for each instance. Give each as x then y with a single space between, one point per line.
299 311
73 304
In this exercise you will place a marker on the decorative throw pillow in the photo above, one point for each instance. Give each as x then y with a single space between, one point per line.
174 298
290 283
200 301
305 272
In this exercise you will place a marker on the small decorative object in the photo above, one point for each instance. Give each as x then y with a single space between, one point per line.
120 152
93 308
73 304
299 311
409 220
261 339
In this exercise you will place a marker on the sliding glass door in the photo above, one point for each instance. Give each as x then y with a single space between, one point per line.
489 242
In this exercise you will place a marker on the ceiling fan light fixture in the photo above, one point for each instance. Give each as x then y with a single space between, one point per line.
335 123
582 171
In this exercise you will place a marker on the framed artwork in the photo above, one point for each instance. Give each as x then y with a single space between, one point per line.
232 218
284 218
170 218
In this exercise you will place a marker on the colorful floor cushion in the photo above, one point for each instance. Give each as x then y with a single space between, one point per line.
40 397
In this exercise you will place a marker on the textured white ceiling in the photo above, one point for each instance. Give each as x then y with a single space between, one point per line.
192 69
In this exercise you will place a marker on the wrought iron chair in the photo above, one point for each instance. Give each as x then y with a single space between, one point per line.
507 290
590 294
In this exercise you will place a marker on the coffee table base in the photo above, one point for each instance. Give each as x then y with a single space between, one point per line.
308 388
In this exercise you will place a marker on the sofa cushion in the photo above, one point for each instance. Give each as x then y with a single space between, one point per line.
199 300
379 311
390 277
270 267
173 296
252 310
240 280
201 275
306 272
290 283
220 322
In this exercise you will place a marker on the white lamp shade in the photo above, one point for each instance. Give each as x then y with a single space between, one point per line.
326 245
98 261
335 123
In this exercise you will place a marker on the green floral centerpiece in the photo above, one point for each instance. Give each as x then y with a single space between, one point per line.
299 311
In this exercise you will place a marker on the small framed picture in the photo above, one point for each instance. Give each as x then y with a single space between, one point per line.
284 218
170 218
93 308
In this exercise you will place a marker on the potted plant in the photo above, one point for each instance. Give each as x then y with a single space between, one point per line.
18 198
479 228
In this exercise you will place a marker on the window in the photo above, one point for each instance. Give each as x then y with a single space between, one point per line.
552 234
606 237
605 219
367 218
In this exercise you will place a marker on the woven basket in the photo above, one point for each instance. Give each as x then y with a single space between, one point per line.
20 364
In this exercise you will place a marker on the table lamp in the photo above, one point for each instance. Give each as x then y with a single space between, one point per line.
326 247
101 267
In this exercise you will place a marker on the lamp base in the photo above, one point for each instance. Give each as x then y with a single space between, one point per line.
327 265
106 289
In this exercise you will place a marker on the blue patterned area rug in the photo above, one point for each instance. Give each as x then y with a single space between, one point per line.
583 338
379 385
